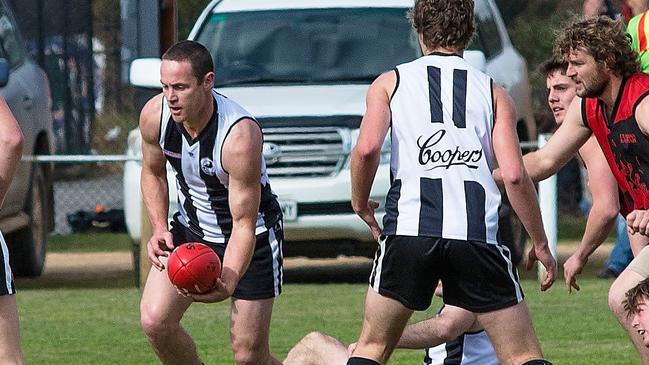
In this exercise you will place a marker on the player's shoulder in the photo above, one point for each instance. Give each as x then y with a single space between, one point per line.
150 117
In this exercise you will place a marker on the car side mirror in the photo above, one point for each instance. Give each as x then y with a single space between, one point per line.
476 59
4 72
145 72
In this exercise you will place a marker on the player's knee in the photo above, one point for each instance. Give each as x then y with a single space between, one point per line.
152 324
537 362
616 301
247 354
312 339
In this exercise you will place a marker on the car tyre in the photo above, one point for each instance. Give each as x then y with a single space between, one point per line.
29 245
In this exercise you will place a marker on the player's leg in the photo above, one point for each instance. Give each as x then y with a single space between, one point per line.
637 270
512 334
317 349
10 352
253 299
383 323
249 331
161 310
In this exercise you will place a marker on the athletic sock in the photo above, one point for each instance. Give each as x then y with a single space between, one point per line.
538 362
361 361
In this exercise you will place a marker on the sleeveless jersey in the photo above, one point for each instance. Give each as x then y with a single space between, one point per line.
623 143
471 348
442 155
201 181
638 28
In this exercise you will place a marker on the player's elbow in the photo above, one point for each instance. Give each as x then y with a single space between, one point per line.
606 212
513 175
366 150
13 142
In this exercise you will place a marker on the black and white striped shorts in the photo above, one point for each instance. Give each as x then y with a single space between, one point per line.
263 279
7 287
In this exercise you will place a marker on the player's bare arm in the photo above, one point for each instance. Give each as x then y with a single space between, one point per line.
241 159
603 212
561 147
153 181
11 140
448 325
518 185
367 152
638 220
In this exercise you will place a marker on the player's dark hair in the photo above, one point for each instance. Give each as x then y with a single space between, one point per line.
194 53
361 361
444 23
606 40
634 295
553 64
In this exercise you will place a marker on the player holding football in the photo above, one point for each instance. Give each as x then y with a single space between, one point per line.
225 201
449 126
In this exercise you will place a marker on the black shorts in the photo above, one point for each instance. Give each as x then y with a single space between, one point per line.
263 279
7 286
477 276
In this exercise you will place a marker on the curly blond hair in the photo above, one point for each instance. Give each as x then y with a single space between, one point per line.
604 39
443 23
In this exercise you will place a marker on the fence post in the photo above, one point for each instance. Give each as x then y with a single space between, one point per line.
145 234
548 205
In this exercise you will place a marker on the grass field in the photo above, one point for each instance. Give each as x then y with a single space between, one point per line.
100 326
98 323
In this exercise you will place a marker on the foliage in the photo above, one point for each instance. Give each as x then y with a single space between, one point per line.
101 326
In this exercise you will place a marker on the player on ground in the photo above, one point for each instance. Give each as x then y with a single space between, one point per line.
225 201
11 145
603 188
614 108
453 336
636 306
449 124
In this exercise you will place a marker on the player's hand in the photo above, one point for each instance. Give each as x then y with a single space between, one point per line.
367 215
571 268
160 244
638 222
544 256
219 293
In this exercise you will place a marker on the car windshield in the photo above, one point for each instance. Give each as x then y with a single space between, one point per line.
308 45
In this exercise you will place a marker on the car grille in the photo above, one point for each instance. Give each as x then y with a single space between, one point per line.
313 151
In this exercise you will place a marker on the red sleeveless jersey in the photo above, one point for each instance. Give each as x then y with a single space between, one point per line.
624 145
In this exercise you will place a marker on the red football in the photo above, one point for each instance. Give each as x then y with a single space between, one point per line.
194 266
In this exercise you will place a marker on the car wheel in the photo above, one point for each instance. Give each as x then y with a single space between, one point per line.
28 245
512 233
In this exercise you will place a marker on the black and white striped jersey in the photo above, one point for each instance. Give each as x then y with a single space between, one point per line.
471 348
201 181
442 155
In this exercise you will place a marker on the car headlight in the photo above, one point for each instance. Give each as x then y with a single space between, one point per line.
385 149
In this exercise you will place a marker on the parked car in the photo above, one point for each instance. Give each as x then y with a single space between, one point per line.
302 68
27 215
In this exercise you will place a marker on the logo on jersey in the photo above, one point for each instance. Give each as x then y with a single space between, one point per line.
436 158
207 166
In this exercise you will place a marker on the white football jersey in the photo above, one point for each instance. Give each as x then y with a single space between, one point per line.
201 181
471 348
442 154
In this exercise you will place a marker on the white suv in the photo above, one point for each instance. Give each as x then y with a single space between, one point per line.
302 68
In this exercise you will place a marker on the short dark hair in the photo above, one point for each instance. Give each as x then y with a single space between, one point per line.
634 295
553 64
444 23
194 53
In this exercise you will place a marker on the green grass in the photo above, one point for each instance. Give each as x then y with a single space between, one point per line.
89 242
101 326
